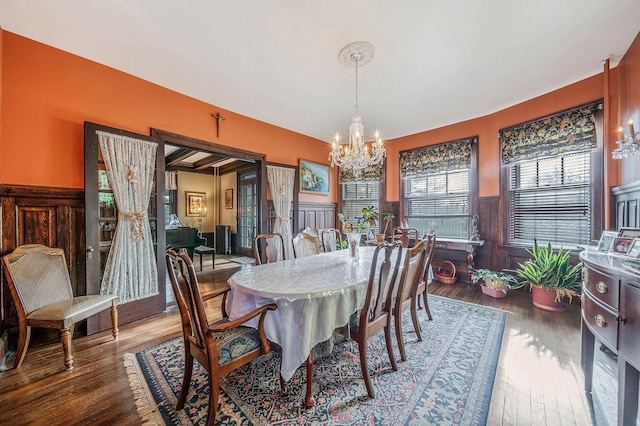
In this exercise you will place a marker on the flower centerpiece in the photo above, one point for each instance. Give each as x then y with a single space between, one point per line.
354 232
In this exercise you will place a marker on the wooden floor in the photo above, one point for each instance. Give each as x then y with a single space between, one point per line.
538 379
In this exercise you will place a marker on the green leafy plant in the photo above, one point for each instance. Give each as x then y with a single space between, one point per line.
492 279
551 270
388 218
369 217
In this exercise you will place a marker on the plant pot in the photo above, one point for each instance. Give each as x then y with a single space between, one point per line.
546 299
496 294
380 238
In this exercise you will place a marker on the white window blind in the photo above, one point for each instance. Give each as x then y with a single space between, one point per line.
358 195
439 202
550 200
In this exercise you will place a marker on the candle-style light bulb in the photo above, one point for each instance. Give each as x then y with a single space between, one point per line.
631 129
620 133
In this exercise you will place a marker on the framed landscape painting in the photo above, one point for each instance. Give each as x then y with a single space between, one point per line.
314 177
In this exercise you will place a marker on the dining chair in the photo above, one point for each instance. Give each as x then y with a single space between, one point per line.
304 245
422 288
331 240
410 278
220 347
38 279
376 313
268 248
408 236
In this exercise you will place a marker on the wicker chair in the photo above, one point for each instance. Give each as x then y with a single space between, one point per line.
268 248
220 347
39 283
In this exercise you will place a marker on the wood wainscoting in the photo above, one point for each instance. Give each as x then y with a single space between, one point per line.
41 215
316 215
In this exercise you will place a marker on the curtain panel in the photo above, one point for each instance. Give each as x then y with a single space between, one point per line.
281 182
130 271
446 156
562 133
368 174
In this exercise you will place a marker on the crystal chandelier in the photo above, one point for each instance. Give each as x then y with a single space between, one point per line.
355 154
628 146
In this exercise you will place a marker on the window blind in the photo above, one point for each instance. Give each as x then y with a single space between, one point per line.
550 200
358 195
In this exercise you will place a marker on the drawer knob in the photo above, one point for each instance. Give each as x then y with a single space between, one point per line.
602 287
600 321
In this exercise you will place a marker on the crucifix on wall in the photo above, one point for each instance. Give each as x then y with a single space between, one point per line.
219 119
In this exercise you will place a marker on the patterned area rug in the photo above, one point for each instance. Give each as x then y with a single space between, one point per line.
447 379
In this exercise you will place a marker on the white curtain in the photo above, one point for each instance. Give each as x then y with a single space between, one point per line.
130 272
171 180
281 181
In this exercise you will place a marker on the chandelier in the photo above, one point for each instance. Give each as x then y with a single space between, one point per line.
628 146
355 154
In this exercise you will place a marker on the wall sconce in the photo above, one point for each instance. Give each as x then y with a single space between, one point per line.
628 146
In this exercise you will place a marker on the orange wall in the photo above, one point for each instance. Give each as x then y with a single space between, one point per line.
48 94
629 107
487 129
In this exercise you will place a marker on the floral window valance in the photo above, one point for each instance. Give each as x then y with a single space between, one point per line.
570 131
368 174
449 156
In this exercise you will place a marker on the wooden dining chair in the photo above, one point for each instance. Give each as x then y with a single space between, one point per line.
304 245
422 287
268 248
376 313
38 279
410 278
331 240
220 347
407 236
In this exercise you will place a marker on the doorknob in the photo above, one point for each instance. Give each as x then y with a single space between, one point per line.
89 251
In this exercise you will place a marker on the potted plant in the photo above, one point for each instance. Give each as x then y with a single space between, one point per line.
388 218
370 218
550 277
492 283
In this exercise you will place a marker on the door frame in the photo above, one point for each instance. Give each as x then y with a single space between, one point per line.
139 308
260 160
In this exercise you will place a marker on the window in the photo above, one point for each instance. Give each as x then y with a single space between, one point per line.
550 200
358 195
440 202
552 178
440 188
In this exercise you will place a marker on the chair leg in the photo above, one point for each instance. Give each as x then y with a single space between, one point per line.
24 336
426 304
387 338
214 386
114 321
397 318
362 348
414 316
65 336
186 379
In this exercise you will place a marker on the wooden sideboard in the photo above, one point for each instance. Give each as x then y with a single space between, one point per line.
611 317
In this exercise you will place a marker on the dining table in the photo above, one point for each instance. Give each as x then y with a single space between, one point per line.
315 295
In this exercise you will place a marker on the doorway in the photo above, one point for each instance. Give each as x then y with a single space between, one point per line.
247 209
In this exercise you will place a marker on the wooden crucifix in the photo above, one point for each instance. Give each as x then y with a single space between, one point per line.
219 119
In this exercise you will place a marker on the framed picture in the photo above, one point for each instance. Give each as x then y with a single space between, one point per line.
196 203
606 239
228 198
634 250
621 245
629 232
314 177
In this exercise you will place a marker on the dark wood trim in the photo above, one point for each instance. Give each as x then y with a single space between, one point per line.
24 191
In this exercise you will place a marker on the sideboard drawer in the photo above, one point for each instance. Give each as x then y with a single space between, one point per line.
605 288
601 321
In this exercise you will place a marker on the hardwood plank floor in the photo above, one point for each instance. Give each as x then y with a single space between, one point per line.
538 378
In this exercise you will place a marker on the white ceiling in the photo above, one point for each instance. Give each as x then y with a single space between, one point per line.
437 62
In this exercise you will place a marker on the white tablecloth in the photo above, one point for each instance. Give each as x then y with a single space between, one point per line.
315 295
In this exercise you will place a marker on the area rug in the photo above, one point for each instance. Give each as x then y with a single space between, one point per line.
243 260
447 379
